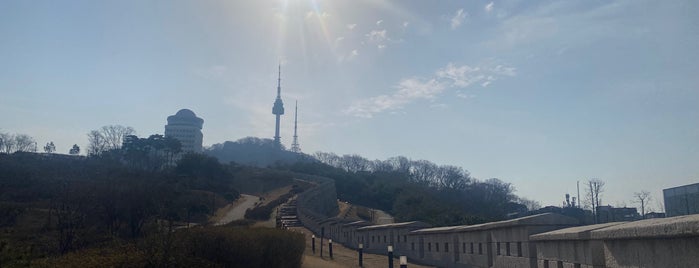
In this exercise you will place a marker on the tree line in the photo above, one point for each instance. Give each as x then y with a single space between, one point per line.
415 189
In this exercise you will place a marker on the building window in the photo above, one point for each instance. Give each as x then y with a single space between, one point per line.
507 248
372 239
463 247
429 246
412 246
498 249
471 247
519 249
446 247
405 238
384 239
480 248
436 246
559 264
546 264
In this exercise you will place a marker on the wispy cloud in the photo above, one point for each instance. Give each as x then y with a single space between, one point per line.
349 57
458 18
489 6
351 26
376 35
407 91
413 89
379 22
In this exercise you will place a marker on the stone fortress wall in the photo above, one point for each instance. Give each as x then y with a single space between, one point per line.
544 241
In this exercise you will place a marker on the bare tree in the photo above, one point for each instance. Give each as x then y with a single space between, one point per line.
642 198
107 138
355 163
400 164
453 177
7 143
114 135
95 143
424 172
381 166
529 203
24 143
595 187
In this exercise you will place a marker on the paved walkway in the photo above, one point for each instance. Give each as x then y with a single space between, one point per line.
236 210
342 256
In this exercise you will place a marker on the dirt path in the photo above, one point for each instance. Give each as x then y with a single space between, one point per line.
236 210
342 256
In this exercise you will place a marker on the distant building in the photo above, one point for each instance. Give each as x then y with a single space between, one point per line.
681 200
612 214
185 126
654 215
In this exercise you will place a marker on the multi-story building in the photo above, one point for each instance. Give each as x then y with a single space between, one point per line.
681 200
186 127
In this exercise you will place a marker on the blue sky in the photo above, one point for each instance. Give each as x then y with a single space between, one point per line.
537 93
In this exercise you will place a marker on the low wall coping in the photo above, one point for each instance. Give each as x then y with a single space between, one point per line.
680 226
417 224
573 233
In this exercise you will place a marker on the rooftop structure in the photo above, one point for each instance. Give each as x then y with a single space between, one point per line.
186 127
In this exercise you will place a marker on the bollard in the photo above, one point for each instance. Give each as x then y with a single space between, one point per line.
313 244
330 247
390 256
403 262
361 246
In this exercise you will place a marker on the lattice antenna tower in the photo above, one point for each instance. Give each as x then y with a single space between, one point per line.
295 145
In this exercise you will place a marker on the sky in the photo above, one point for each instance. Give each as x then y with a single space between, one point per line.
541 94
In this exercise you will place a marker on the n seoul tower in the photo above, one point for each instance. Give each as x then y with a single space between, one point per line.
278 109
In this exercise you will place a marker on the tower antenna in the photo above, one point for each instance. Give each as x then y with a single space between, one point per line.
295 145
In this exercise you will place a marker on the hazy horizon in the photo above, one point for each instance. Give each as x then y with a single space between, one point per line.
537 94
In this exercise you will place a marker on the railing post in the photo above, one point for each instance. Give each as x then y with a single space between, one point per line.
403 262
361 247
390 256
330 247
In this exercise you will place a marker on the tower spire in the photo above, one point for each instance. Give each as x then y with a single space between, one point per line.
279 82
295 145
278 109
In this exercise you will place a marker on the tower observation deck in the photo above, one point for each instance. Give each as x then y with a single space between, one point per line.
278 108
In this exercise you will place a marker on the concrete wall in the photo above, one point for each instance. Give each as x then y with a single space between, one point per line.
317 203
544 240
668 242
496 244
570 247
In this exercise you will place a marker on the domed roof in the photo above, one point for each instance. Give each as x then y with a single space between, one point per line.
185 113
185 117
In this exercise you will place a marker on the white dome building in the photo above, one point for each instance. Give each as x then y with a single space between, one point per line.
185 126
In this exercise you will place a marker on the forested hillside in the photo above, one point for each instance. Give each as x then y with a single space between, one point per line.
417 189
52 205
